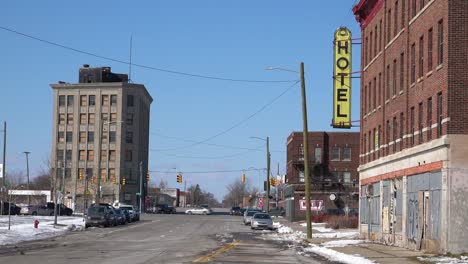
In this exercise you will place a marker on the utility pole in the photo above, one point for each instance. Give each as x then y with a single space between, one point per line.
3 194
27 174
305 136
268 175
141 184
98 189
185 193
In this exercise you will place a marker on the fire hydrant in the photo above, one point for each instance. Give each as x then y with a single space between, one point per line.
36 223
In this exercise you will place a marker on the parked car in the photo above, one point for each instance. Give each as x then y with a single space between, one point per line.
248 216
278 211
242 210
14 209
47 209
100 215
199 210
128 217
235 210
135 214
120 216
261 220
250 210
165 209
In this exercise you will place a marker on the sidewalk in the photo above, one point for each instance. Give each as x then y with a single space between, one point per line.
375 252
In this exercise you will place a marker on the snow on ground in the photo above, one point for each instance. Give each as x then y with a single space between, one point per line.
336 234
22 228
341 243
334 255
445 260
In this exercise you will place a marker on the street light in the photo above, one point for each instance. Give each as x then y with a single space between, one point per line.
305 143
27 173
268 171
98 191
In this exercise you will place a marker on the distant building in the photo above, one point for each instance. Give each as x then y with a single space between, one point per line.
333 163
414 130
100 128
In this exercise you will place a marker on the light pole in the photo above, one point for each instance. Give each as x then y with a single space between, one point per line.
268 171
305 143
98 191
27 174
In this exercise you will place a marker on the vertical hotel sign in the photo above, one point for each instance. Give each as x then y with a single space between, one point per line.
342 79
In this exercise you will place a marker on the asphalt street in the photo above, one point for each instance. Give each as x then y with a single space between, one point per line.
178 238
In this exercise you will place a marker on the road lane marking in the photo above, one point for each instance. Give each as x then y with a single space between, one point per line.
217 252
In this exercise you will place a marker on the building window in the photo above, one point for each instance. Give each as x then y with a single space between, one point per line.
395 26
364 144
380 92
113 117
68 173
389 25
388 81
439 114
128 155
421 4
421 56
69 119
394 81
104 137
301 152
413 63
68 154
69 137
347 177
366 48
429 49
401 131
129 137
61 137
112 136
374 99
335 153
112 155
375 41
440 42
91 119
103 154
387 136
92 100
130 119
83 119
378 140
371 46
111 173
90 155
105 100
412 125
130 99
104 116
82 155
318 155
403 13
113 99
429 118
346 153
59 155
82 137
61 100
380 35
83 100
402 71
413 8
394 133
128 173
61 119
89 173
90 137
104 175
365 99
70 100
420 122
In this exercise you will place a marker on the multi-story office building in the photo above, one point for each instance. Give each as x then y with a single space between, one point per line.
100 138
413 169
333 163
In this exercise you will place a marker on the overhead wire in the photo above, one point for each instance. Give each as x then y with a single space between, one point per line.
217 171
139 65
217 157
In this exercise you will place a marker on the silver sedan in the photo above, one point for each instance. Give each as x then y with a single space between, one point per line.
261 220
199 210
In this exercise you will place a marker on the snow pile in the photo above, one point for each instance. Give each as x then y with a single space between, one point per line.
342 234
277 225
22 228
285 230
341 243
445 260
334 255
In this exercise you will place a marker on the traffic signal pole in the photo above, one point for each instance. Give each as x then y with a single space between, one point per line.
268 175
141 184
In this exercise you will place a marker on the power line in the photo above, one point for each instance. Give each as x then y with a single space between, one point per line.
236 125
141 65
220 171
218 157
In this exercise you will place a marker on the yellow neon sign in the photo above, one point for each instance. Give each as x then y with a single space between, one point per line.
342 79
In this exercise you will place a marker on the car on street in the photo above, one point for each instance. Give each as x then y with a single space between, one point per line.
248 216
100 215
199 210
235 210
120 216
250 210
127 215
261 221
10 207
165 209
278 211
134 214
46 209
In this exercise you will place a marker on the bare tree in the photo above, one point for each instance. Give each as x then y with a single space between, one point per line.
236 193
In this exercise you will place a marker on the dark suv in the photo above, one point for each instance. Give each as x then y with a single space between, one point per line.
100 215
235 210
165 209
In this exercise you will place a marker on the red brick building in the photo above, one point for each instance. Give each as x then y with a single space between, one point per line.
333 162
414 101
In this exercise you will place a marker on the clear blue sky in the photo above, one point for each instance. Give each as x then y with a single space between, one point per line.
227 39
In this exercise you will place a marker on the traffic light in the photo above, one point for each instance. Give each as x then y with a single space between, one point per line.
81 174
272 181
243 178
123 181
147 176
114 180
179 178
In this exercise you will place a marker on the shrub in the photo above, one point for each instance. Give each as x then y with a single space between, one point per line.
337 222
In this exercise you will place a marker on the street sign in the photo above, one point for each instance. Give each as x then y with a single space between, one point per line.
137 194
315 205
260 202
